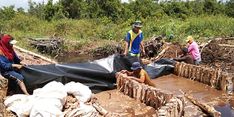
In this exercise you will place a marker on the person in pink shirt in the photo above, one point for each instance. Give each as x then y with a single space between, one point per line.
193 49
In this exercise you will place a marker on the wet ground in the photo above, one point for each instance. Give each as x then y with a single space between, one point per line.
204 93
116 102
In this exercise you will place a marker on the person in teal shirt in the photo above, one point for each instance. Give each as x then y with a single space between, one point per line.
133 41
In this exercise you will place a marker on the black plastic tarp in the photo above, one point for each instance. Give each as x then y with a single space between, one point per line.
99 75
160 68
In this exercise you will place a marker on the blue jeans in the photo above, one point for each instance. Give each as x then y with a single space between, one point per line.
13 75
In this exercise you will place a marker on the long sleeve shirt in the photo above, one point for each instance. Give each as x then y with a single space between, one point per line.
193 49
6 65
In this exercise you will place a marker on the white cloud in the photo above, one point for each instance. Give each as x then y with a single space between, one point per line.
20 3
24 3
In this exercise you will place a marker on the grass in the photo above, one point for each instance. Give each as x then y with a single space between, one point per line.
90 31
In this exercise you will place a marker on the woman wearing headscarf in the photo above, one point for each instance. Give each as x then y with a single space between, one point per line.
10 62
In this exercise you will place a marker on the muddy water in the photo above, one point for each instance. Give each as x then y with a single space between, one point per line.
199 91
74 58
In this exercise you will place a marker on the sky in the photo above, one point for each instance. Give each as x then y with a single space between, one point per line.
24 3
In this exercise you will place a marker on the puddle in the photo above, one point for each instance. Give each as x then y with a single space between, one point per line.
226 110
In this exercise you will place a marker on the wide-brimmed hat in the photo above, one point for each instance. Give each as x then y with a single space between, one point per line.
137 24
135 66
189 38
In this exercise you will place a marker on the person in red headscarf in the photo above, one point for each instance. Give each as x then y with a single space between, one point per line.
10 62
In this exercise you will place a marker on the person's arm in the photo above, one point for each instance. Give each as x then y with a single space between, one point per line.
17 60
5 66
142 48
180 59
126 48
127 40
190 48
140 80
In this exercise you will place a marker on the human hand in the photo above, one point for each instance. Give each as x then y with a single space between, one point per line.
17 66
143 52
123 71
125 53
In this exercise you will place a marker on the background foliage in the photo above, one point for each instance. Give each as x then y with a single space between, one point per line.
92 21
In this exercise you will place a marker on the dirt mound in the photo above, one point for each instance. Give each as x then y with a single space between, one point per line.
153 46
169 50
218 53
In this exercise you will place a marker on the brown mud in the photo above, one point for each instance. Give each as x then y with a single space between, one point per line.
116 102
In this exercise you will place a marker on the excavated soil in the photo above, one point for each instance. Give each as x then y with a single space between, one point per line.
169 50
219 54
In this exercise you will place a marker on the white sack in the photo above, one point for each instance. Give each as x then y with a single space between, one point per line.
80 91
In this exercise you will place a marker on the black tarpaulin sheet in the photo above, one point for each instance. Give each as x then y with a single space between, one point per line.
160 68
99 75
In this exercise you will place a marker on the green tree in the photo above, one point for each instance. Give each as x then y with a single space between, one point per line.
230 8
74 8
176 9
49 10
7 13
36 9
105 8
213 7
20 10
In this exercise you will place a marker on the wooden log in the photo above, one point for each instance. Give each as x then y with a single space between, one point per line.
181 105
100 109
224 76
213 77
3 93
180 69
186 70
143 93
191 71
218 79
139 90
156 99
176 68
152 98
200 74
205 76
209 71
203 72
3 87
130 89
183 69
205 108
194 72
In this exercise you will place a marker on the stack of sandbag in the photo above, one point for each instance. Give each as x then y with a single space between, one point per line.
50 101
